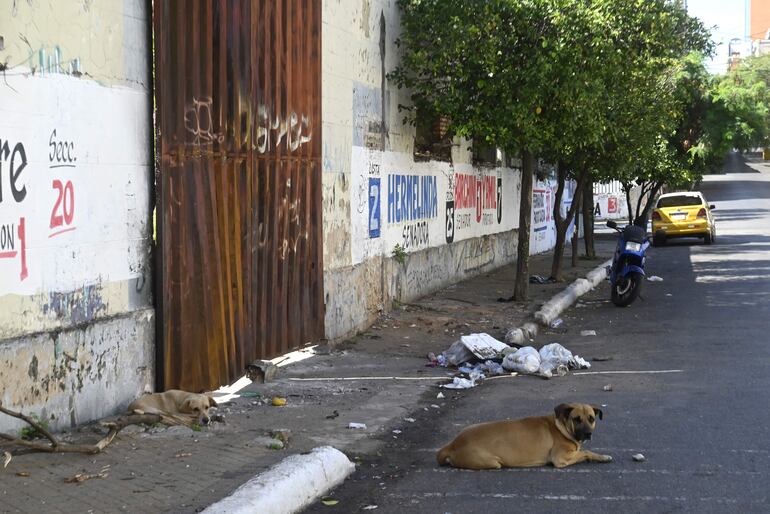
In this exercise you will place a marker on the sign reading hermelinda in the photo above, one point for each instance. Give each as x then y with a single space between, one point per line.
417 205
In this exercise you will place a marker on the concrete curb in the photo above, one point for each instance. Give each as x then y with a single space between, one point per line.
290 485
558 304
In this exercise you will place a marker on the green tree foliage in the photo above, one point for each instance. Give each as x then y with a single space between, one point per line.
573 81
739 108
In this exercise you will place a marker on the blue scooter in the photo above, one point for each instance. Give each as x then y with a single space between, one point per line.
627 270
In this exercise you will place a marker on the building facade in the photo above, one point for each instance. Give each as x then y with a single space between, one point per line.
78 178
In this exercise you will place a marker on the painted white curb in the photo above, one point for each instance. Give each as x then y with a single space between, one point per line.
290 485
556 305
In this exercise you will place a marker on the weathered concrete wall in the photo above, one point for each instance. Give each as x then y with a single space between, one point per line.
76 319
450 220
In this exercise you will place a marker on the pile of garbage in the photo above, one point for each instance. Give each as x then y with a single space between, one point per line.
479 356
552 359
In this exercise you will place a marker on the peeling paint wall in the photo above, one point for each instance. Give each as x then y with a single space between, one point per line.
76 318
452 220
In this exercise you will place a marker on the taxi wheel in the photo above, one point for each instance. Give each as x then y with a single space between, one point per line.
708 238
658 240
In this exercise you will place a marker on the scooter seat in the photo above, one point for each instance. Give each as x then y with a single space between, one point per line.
634 234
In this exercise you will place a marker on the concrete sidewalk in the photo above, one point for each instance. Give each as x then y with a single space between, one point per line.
180 470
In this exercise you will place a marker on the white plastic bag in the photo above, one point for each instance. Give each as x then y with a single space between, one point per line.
523 360
554 358
458 354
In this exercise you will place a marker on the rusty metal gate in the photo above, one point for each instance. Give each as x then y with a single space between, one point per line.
238 184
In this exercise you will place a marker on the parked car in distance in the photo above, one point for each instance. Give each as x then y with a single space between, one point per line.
683 215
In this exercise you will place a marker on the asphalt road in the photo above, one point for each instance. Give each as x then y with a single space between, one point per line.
705 430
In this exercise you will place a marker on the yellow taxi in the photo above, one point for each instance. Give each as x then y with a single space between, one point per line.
683 215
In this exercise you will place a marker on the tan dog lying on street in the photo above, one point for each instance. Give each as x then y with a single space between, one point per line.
528 442
175 407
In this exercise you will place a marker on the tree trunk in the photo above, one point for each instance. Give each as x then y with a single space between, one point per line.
644 213
558 254
627 190
588 218
576 232
562 224
521 288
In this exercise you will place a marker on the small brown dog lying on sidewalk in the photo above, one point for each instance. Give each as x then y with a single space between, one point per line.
528 442
175 407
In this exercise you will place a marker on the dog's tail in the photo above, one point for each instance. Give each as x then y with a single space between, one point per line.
443 455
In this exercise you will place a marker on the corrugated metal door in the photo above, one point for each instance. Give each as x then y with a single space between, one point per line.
238 117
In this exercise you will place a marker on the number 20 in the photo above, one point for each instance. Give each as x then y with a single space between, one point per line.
66 200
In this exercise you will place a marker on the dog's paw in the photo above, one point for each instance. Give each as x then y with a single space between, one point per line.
605 458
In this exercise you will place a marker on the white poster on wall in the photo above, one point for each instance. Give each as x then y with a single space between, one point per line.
610 206
543 229
399 203
74 172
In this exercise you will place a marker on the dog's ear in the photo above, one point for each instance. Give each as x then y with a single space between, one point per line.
597 411
562 411
186 406
212 401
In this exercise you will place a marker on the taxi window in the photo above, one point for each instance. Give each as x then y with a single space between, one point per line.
679 201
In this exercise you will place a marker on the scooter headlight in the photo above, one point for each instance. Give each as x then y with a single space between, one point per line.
633 247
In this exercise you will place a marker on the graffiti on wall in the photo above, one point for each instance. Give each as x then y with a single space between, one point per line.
420 205
270 130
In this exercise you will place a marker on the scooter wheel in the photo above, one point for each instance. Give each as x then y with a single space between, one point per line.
625 290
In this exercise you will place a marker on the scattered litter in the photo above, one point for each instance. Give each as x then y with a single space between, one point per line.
82 477
278 401
669 294
579 363
22 474
180 455
435 406
329 502
458 354
357 426
281 434
539 279
483 345
369 507
523 360
410 420
586 333
460 383
261 371
333 415
440 395
470 348
552 359
507 375
491 368
557 323
397 431
6 459
608 387
638 457
250 394
270 443
654 278
601 359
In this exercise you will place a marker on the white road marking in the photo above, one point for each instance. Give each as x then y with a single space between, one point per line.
604 470
649 372
570 497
